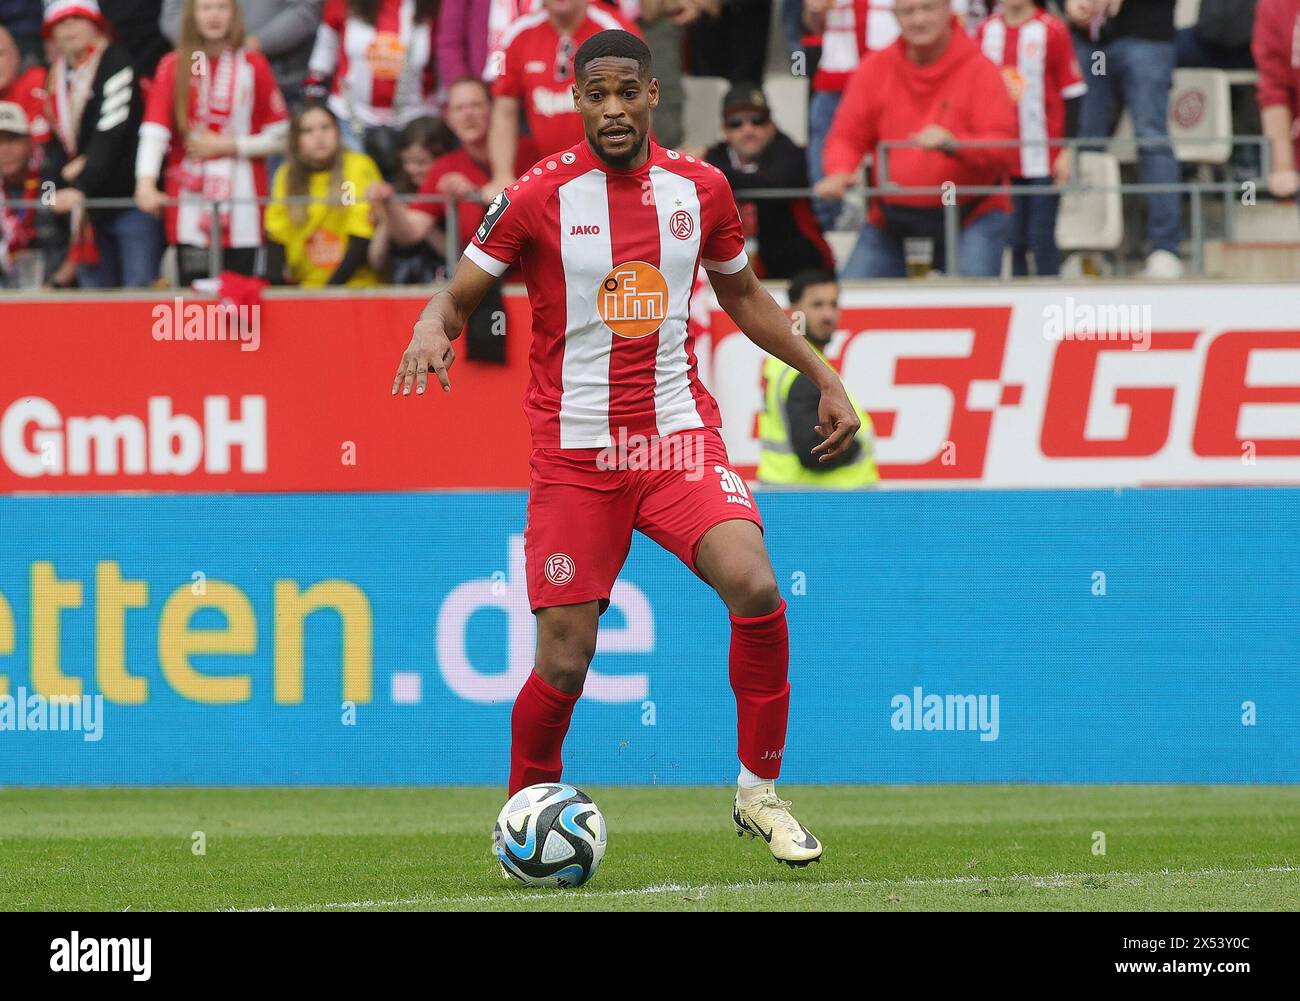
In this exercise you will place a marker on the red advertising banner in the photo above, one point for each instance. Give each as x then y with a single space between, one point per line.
1056 386
93 398
999 386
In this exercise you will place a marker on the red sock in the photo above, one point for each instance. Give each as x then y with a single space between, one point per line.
760 663
537 727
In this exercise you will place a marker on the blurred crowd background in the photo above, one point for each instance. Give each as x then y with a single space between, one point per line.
155 143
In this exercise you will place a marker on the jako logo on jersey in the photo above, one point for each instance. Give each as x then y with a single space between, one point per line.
584 231
559 569
633 299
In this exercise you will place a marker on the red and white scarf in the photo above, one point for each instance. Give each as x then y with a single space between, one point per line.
202 182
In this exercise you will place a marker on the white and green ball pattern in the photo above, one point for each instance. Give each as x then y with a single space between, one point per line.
550 835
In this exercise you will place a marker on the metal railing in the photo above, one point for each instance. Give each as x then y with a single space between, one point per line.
1196 190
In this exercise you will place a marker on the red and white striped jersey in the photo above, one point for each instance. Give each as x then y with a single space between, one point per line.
536 69
610 259
1041 72
383 73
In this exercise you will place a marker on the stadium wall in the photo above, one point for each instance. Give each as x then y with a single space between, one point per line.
1071 636
1044 385
246 568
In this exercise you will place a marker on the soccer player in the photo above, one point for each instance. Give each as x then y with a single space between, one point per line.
609 233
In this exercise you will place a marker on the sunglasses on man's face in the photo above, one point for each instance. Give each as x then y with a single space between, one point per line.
736 121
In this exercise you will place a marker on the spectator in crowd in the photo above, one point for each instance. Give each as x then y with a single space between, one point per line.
19 181
133 24
787 427
377 58
794 35
537 78
418 262
33 244
1044 81
664 22
1134 41
846 31
23 87
841 27
461 173
214 114
95 118
781 235
729 39
464 39
933 89
1276 47
284 31
22 18
1220 38
327 241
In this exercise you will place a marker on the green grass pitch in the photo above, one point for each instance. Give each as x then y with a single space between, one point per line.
887 848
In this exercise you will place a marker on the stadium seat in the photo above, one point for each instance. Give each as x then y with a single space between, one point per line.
702 109
788 97
1200 108
1092 220
1122 146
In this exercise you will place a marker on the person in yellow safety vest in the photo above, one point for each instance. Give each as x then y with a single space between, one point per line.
787 426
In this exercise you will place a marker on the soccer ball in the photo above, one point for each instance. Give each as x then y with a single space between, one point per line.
550 835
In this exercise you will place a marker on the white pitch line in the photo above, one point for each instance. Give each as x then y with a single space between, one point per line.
1043 882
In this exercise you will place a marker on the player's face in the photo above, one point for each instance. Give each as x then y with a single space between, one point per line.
820 306
615 102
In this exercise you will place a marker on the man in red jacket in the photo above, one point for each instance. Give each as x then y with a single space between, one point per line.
934 88
1276 47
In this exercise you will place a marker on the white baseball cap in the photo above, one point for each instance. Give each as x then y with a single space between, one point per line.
14 119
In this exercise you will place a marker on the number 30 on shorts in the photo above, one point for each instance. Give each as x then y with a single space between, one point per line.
733 486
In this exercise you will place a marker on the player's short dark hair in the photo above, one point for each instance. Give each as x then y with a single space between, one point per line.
809 276
617 43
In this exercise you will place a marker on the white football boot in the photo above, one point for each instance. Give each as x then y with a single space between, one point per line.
760 813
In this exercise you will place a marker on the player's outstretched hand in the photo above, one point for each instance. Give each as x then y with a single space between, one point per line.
429 350
838 424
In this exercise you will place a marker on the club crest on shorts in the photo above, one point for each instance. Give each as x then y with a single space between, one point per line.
633 299
559 568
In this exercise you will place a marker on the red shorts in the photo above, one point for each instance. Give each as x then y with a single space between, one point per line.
584 503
